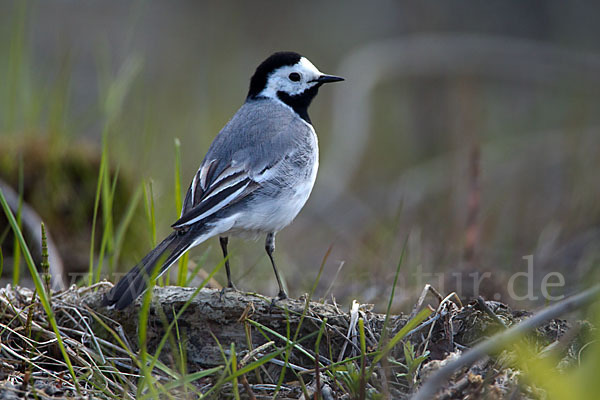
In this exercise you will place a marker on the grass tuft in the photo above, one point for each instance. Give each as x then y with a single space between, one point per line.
39 287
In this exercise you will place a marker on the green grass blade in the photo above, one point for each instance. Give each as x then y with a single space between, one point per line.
363 358
222 378
236 392
263 360
318 278
103 162
287 353
189 378
293 342
144 313
45 265
183 261
16 245
124 224
107 244
199 265
181 311
150 211
410 325
182 353
39 287
178 202
389 306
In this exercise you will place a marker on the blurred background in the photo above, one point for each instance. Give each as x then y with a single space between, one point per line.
466 133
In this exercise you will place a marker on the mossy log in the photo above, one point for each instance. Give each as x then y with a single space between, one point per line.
215 319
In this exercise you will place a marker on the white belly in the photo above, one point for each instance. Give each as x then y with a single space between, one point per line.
273 214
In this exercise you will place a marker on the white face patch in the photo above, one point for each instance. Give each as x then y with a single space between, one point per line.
279 80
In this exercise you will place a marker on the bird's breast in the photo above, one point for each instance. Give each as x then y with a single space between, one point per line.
279 201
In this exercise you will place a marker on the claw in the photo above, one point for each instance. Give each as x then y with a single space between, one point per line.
280 296
231 287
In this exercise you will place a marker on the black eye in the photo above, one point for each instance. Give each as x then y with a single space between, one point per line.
294 77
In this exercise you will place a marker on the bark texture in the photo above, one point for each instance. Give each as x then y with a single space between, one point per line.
213 317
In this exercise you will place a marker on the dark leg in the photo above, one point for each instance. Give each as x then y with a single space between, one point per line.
270 248
224 241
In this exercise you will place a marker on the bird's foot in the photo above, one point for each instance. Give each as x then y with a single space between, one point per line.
281 296
231 287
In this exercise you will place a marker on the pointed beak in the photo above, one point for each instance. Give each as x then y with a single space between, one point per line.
328 79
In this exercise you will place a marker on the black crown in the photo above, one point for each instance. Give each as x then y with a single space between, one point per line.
275 61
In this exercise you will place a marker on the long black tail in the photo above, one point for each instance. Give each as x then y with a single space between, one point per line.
136 281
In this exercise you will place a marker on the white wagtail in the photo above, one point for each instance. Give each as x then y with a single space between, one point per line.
256 176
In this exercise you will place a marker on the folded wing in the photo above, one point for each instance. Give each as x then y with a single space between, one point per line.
210 193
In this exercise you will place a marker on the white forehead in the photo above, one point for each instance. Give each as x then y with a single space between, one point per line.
307 66
279 79
304 67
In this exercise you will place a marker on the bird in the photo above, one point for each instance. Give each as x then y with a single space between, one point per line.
255 178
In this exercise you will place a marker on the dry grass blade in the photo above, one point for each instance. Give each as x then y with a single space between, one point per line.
47 370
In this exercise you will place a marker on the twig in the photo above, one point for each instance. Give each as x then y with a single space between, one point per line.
426 289
289 365
246 385
504 338
255 352
351 335
334 280
483 305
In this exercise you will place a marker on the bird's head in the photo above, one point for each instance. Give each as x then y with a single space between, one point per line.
290 78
